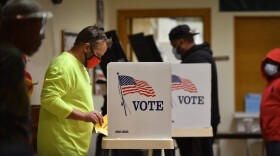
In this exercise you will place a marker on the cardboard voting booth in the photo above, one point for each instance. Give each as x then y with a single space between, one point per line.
139 106
191 100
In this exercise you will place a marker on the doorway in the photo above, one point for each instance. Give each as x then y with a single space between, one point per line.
125 21
160 27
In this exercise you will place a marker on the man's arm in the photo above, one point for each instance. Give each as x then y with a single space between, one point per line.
93 116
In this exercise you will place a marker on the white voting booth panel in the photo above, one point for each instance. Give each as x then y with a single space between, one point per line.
138 106
191 100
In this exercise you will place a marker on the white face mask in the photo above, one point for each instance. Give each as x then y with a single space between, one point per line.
270 69
176 53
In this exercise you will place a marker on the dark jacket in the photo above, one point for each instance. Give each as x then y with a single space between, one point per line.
270 103
14 100
203 54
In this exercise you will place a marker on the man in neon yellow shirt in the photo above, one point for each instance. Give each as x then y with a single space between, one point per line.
66 116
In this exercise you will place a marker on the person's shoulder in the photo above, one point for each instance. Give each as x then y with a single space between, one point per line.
10 54
11 66
62 62
62 59
8 47
203 47
200 53
204 50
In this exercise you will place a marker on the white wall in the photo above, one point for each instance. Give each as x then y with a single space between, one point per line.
73 15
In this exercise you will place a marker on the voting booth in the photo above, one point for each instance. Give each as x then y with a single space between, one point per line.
191 100
139 106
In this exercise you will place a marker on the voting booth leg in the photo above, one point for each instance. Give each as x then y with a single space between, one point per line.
169 152
106 152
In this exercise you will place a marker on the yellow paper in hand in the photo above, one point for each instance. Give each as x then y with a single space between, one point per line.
104 128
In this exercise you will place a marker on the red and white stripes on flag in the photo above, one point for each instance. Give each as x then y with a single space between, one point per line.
129 85
182 83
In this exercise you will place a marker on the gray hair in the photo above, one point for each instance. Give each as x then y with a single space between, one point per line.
93 35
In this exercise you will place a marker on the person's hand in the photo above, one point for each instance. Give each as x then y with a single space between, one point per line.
94 117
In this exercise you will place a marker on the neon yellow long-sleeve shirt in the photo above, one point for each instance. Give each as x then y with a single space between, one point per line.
66 86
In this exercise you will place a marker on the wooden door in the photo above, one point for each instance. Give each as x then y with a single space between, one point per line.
254 37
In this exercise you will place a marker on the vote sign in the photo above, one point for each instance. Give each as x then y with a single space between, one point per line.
139 100
191 95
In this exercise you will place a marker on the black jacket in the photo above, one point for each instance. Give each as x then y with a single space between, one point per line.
203 54
14 100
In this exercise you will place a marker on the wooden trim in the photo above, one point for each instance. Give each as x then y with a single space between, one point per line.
35 111
192 132
238 107
136 143
124 26
62 40
221 58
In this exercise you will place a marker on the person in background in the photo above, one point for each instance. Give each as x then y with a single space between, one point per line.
270 103
28 78
184 48
67 113
21 31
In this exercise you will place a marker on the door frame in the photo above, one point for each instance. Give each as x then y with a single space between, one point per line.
124 21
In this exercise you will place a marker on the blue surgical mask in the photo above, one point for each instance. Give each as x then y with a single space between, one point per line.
270 69
176 53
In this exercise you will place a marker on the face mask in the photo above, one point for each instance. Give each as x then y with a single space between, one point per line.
176 53
270 69
92 61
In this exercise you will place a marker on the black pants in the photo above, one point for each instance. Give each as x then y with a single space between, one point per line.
197 146
201 146
14 148
272 148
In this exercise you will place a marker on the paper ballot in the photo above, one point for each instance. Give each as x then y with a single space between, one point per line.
104 128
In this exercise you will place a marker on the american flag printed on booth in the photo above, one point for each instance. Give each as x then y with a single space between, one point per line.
129 85
182 83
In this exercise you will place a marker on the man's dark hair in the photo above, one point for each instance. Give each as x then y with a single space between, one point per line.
92 35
